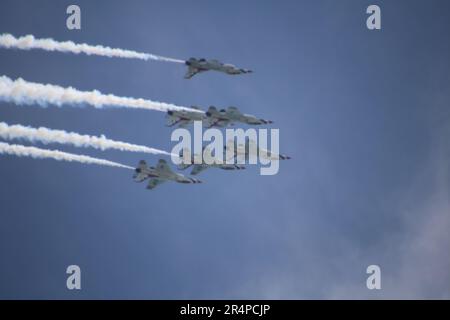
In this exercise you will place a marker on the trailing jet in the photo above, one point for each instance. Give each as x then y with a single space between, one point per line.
223 118
159 174
184 117
197 168
200 65
244 151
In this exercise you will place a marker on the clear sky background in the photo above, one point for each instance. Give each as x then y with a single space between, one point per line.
363 114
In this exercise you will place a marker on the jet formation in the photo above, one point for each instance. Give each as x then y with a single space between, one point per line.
162 172
210 118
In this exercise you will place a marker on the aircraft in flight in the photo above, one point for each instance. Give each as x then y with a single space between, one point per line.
159 174
197 168
184 117
223 118
245 150
200 65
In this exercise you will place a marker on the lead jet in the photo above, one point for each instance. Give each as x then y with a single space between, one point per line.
200 65
224 118
159 174
184 117
244 151
197 168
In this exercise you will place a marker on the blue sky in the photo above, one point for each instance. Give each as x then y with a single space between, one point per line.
363 114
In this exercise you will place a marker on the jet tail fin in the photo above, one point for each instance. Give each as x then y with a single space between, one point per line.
212 111
162 166
138 175
142 164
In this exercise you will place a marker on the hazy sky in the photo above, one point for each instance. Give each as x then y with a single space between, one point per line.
363 114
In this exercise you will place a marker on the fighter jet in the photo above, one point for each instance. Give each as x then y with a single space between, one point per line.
245 151
200 65
223 118
197 168
158 175
184 117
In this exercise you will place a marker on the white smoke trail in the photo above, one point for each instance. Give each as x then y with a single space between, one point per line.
22 92
46 135
30 42
23 151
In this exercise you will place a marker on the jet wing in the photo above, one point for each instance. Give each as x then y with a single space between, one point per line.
266 154
139 177
248 119
183 179
184 166
192 71
153 183
231 167
233 112
171 121
198 168
213 122
177 120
